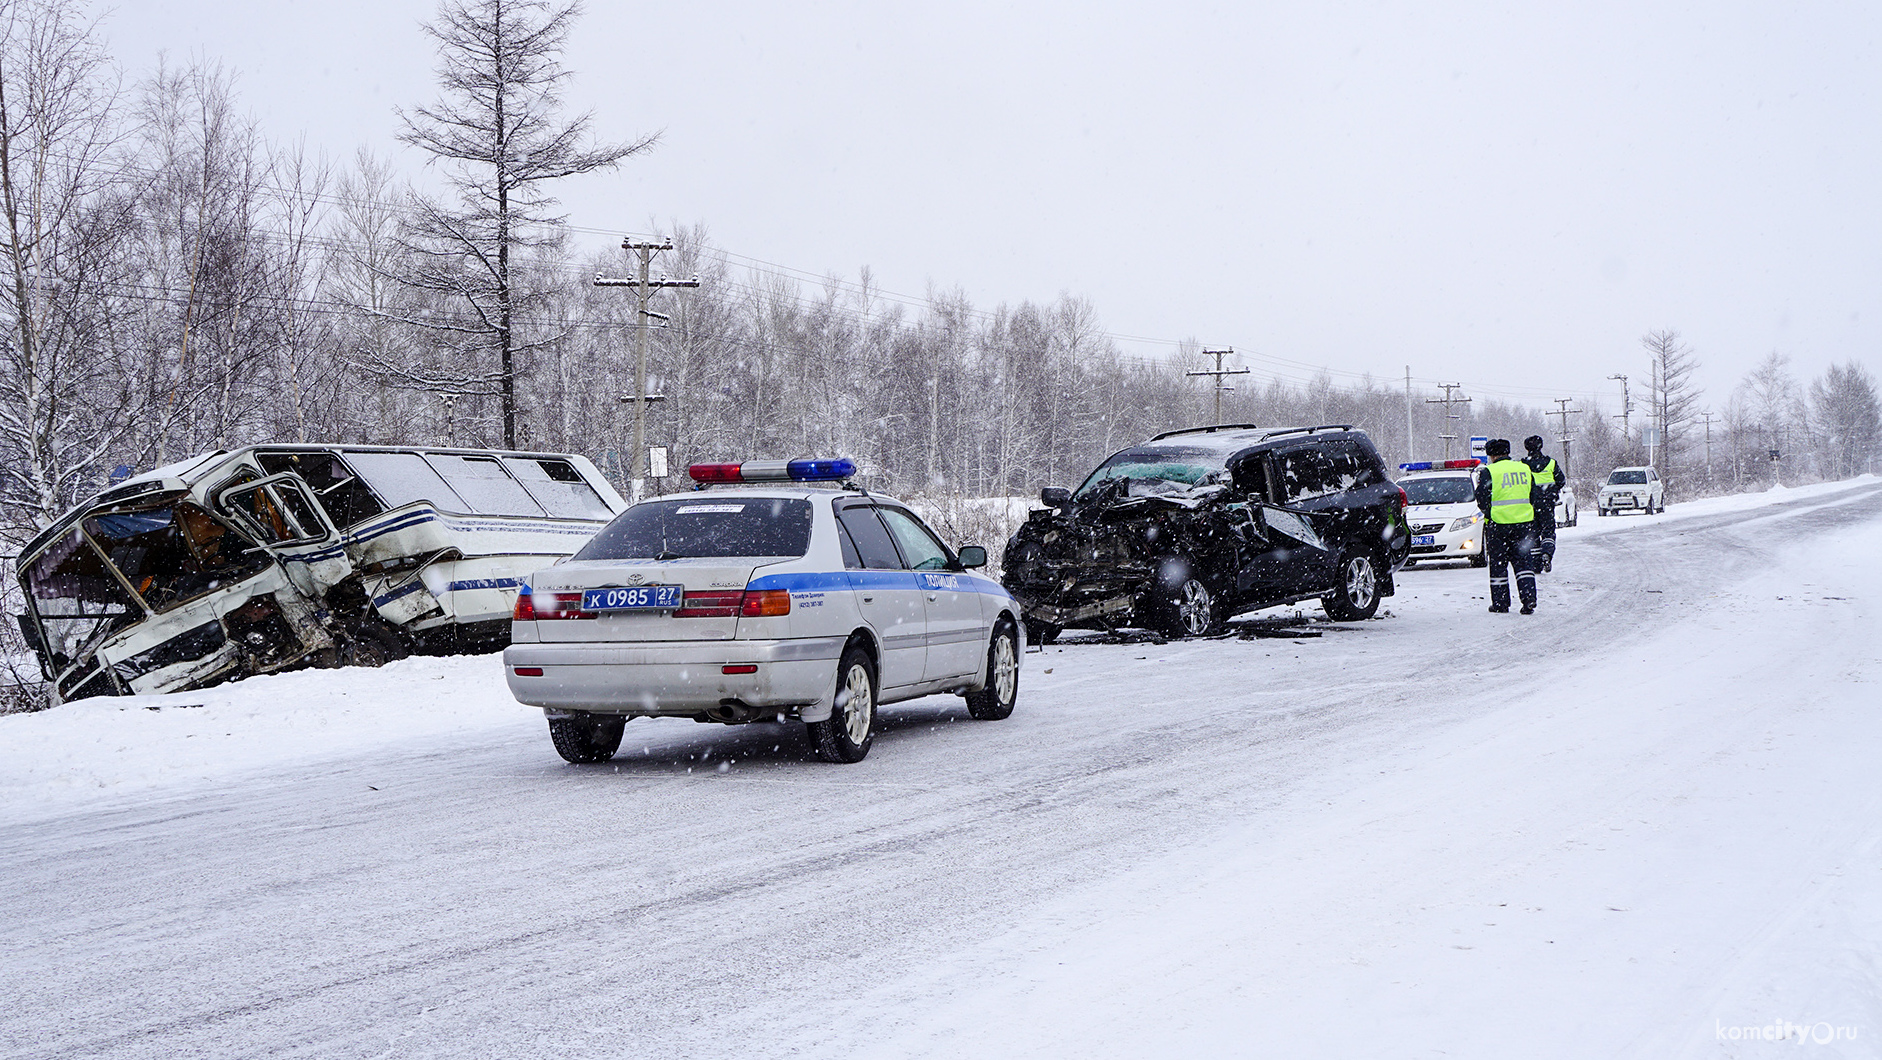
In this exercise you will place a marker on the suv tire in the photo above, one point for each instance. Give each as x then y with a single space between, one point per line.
1185 607
996 700
1355 593
586 738
846 734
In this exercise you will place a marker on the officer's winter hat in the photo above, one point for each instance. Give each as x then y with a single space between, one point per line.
1497 447
1533 443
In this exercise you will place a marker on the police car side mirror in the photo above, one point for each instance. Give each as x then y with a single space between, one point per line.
973 556
1055 496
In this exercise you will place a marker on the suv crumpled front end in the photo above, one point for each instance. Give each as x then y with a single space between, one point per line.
1097 561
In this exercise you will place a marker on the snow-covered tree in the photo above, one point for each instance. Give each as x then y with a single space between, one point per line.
496 131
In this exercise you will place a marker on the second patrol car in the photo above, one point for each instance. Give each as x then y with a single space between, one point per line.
1442 509
758 603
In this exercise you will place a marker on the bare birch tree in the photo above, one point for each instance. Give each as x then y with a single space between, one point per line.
496 130
1672 394
64 402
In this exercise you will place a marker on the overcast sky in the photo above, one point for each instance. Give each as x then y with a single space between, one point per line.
1508 196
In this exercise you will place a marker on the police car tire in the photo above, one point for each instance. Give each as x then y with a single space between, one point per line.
585 738
832 738
1339 602
990 704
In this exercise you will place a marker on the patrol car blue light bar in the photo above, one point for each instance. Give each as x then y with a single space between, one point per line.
1440 465
774 471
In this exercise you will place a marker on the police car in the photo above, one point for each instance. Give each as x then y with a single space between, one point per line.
1441 506
741 603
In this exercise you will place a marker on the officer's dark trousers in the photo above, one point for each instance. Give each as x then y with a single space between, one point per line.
1511 545
1545 536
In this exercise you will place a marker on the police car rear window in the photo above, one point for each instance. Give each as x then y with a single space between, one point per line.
702 525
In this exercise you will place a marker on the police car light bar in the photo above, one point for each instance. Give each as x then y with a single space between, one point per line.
774 471
1440 465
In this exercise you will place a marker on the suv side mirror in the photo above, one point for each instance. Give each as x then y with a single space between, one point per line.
1055 496
973 556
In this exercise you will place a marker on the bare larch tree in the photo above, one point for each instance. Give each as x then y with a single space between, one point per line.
496 130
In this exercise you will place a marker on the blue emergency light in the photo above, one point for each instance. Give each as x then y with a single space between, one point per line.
774 471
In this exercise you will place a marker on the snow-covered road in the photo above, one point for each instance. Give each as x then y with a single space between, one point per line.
1359 843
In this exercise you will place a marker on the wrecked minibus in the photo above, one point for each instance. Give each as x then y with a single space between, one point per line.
269 557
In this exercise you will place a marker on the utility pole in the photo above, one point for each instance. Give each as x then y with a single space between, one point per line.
1564 412
645 288
1627 407
1409 455
1709 417
1451 397
1218 374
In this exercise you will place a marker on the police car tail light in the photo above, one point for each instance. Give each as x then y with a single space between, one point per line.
525 609
774 471
710 603
765 603
551 606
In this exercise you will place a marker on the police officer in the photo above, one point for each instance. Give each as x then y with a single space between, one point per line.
1507 495
1548 475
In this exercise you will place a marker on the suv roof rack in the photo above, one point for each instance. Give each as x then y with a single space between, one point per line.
1307 430
1207 430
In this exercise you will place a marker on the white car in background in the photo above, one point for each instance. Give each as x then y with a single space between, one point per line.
1636 489
1441 506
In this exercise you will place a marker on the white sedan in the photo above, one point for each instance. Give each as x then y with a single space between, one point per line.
1441 506
734 605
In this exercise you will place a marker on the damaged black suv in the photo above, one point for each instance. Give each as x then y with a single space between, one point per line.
1182 531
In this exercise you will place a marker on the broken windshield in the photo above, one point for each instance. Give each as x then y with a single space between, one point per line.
174 553
78 600
1181 466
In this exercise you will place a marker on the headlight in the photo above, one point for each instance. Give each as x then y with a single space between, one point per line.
1465 522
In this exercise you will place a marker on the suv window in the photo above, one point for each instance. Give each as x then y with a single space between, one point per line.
1308 473
1352 465
705 526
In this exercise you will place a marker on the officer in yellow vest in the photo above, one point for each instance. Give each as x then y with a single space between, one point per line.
1507 494
1549 476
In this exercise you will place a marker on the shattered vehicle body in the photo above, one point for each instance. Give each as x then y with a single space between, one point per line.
1183 531
265 558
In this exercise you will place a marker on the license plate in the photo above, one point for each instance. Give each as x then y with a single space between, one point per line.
1425 539
633 598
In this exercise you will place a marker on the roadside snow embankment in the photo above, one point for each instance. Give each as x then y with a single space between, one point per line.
114 748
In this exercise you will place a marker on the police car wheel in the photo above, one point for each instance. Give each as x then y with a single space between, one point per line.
996 700
585 738
1355 593
846 734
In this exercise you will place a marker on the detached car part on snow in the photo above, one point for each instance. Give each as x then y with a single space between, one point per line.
247 562
1191 527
